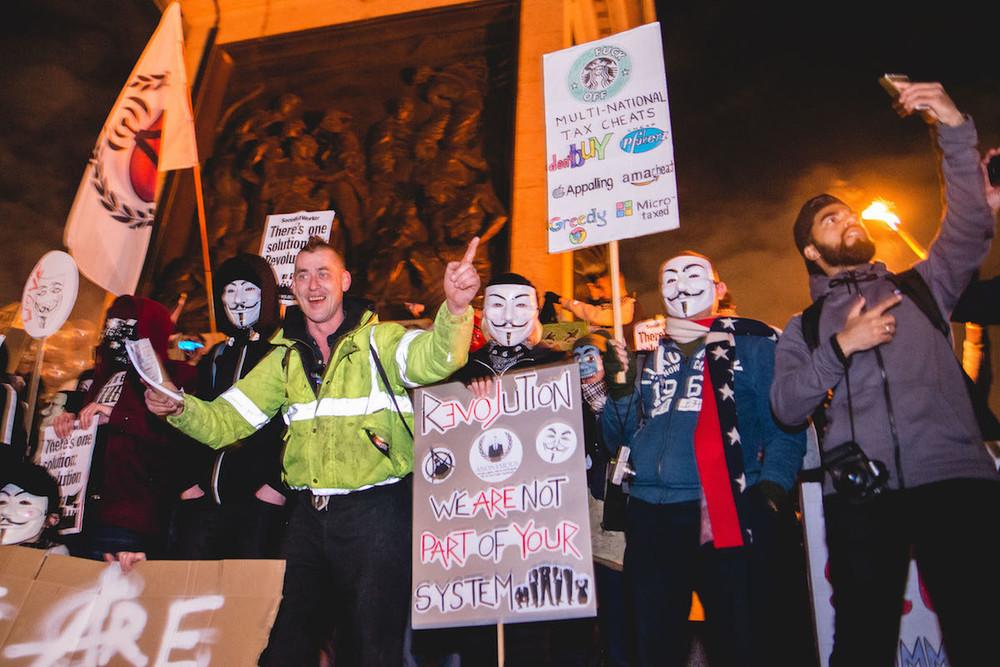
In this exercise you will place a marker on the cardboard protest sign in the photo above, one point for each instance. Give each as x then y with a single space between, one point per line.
58 610
284 235
609 142
68 461
49 294
500 520
562 335
919 635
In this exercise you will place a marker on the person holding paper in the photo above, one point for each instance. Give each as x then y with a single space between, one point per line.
339 378
598 312
711 468
128 492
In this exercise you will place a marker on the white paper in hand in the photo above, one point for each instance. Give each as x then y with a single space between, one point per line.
143 357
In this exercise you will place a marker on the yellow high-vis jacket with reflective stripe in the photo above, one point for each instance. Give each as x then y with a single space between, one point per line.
329 447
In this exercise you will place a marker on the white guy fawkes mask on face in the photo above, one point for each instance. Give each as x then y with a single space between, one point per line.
22 515
687 286
510 313
241 299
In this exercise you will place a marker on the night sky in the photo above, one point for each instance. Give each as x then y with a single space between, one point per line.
768 107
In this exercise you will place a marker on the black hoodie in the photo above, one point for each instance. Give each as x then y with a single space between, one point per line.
236 472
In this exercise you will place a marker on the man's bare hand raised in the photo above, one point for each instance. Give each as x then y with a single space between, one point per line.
931 99
461 280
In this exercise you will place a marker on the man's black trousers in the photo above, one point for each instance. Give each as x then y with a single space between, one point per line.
950 528
348 563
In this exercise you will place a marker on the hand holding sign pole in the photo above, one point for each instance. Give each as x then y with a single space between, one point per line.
616 300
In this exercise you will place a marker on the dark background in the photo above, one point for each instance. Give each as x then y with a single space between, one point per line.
769 105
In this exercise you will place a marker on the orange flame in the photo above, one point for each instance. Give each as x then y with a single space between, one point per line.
880 210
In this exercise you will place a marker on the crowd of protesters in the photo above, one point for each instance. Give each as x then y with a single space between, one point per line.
292 439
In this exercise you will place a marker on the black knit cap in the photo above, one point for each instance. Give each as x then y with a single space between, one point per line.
509 279
807 214
256 270
36 480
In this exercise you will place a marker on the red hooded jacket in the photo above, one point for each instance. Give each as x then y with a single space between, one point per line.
131 468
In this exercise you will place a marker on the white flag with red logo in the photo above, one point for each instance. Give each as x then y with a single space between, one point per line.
150 130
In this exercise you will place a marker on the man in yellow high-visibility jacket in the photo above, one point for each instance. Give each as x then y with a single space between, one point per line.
348 452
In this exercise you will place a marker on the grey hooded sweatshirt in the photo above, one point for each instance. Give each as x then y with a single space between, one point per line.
938 435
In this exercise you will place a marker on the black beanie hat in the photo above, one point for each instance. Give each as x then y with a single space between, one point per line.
254 269
36 480
803 224
510 279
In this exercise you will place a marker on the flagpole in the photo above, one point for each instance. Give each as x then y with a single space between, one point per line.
200 198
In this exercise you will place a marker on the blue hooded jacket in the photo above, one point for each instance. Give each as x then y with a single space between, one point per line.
658 423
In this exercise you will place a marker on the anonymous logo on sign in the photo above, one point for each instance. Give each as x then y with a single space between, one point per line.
495 455
44 295
49 294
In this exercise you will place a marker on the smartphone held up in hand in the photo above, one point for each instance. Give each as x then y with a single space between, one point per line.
993 170
889 83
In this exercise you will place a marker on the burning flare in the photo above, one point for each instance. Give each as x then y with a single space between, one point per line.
881 211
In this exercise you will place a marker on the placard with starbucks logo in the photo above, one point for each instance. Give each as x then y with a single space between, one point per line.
610 152
501 530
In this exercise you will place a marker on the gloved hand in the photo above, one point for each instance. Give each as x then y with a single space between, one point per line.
772 496
616 360
547 315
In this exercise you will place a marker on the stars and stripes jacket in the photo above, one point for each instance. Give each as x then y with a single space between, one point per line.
658 422
335 422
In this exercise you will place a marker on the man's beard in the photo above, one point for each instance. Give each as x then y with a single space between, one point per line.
859 252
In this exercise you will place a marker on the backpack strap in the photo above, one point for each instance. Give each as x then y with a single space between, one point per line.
810 323
913 285
388 387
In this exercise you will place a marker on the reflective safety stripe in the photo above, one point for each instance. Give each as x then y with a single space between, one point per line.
344 492
345 407
380 399
247 409
300 411
402 351
376 400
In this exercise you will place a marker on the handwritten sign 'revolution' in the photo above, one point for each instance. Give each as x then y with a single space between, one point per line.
501 529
